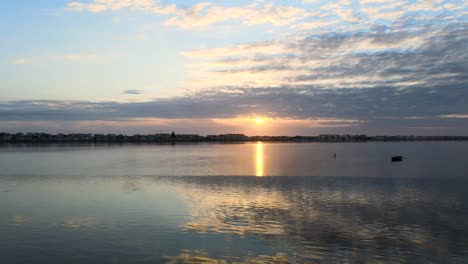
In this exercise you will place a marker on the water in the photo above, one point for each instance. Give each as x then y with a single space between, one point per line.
214 203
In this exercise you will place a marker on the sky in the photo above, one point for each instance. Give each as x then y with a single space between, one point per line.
303 67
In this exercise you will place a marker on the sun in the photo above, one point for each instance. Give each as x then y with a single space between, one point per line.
259 121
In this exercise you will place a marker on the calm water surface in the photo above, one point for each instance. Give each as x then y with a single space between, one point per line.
216 203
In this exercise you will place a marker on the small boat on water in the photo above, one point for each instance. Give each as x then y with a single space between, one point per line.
397 158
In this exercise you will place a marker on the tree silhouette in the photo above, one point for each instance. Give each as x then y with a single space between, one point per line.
173 135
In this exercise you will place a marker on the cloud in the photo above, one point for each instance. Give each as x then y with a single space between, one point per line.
80 57
21 61
140 36
98 6
378 64
204 14
382 110
46 58
314 24
201 14
76 6
266 47
382 78
132 92
382 56
283 103
463 116
306 2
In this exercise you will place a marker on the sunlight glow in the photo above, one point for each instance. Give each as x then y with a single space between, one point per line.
259 160
259 121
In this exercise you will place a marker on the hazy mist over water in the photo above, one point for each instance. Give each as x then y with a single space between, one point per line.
140 204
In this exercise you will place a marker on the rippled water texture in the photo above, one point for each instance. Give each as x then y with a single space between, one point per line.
214 203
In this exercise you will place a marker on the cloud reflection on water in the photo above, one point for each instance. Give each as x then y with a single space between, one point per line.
230 210
200 256
326 218
20 219
81 222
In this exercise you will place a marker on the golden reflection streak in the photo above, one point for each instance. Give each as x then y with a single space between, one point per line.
259 160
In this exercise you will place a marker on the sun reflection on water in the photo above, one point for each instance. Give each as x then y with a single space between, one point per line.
259 160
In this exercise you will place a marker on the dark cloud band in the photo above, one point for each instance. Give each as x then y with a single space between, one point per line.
132 92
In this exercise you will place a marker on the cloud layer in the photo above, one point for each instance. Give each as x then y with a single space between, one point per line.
283 103
383 80
426 55
325 13
201 14
374 110
374 65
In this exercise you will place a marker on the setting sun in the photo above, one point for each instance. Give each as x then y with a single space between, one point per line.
259 121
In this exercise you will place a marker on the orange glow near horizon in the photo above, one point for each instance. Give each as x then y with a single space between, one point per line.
203 126
259 160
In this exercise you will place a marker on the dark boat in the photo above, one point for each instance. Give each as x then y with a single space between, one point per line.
397 158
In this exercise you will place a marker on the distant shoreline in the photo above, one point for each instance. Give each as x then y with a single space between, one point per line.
193 138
